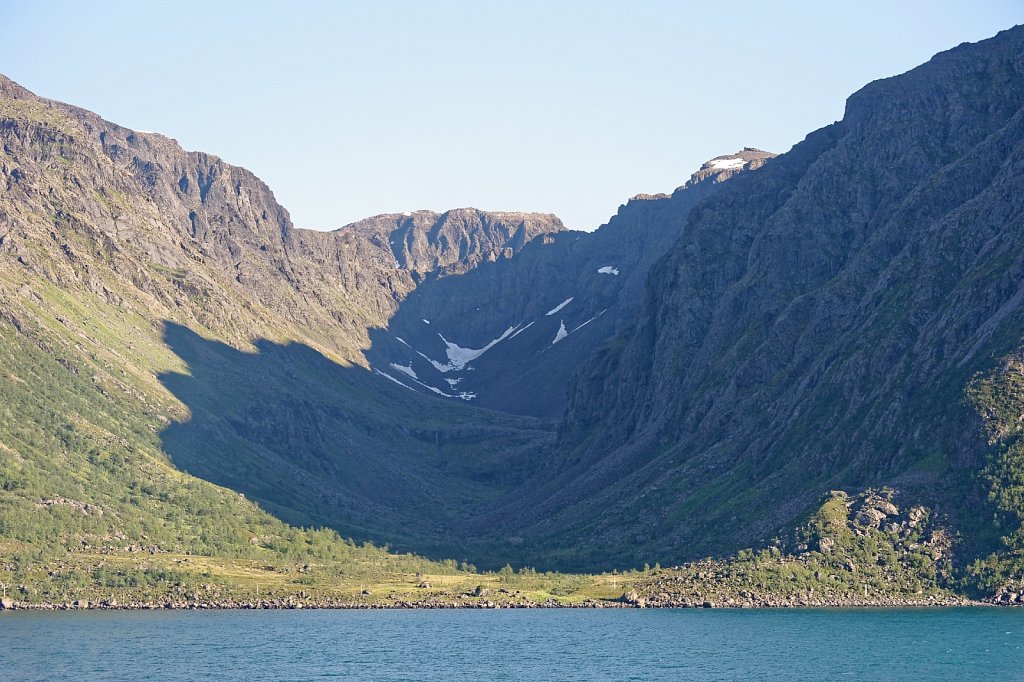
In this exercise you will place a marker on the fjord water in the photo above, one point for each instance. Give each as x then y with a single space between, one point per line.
875 644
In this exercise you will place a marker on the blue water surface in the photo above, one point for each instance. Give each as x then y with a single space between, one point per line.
670 644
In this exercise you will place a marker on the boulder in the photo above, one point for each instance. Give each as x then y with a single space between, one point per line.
869 516
915 516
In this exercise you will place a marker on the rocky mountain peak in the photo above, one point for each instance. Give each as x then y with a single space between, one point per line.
454 241
723 167
718 169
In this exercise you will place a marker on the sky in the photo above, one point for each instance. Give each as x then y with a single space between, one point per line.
352 109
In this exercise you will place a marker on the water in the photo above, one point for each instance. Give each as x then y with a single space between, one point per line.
922 644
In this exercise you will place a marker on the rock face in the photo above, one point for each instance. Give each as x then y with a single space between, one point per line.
815 325
721 168
508 335
456 241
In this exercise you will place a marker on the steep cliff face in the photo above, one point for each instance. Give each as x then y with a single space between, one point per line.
815 325
508 335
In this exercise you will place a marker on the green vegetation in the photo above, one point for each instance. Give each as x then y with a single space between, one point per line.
91 509
853 550
999 399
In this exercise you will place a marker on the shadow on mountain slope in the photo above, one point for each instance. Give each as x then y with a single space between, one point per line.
317 443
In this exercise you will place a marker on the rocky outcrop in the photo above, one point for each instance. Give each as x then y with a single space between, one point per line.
455 241
721 168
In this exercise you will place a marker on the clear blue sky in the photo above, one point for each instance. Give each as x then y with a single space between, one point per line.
353 109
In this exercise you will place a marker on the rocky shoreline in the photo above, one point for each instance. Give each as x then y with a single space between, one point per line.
627 601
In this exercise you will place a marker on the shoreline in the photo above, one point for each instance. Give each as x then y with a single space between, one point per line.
434 605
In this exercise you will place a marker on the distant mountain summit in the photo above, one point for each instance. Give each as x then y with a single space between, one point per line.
721 168
455 241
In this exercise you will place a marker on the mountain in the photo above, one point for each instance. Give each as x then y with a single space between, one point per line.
199 235
816 326
161 313
509 334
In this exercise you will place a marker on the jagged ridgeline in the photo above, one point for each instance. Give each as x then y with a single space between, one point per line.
694 377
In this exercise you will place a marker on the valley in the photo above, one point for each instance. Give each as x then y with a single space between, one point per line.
795 380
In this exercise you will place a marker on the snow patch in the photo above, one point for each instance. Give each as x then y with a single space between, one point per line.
726 164
561 332
464 395
559 306
459 357
388 376
453 382
608 270
435 390
521 331
407 214
589 321
406 370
